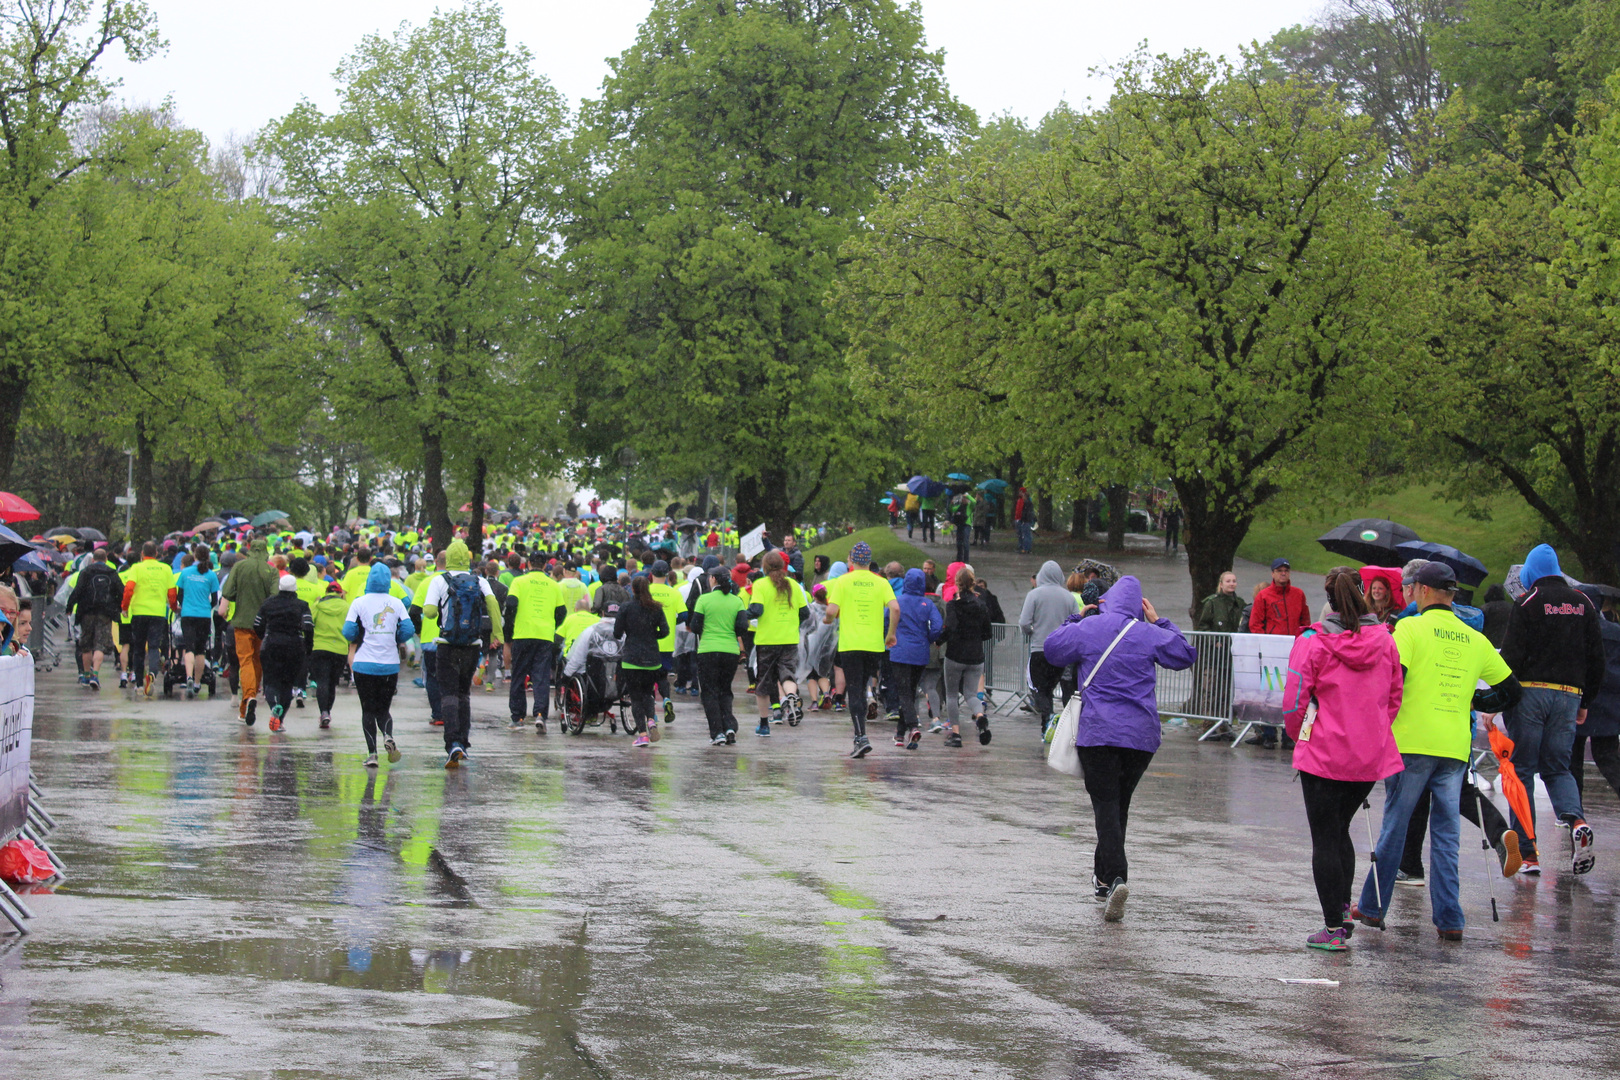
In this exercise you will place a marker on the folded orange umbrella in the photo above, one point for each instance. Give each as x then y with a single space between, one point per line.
1512 787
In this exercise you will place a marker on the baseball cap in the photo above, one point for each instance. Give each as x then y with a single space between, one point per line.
1280 564
660 568
1436 575
861 552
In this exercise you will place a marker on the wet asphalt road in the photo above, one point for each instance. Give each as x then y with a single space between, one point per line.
245 904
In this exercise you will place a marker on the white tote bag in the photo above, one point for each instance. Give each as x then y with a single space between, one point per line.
1062 754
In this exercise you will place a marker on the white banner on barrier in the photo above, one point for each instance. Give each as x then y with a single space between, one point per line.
753 542
16 727
1259 673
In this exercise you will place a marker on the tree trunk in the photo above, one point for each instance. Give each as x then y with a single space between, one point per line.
1077 526
407 510
1048 515
1119 506
434 503
362 491
13 388
701 512
187 508
1213 529
1015 469
141 524
764 498
475 529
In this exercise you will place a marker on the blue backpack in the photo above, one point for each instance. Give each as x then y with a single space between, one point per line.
462 620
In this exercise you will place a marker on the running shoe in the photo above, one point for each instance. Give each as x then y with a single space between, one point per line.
95 683
1581 842
1450 935
652 730
390 749
1114 906
275 717
326 720
838 705
642 740
900 739
718 740
731 738
419 683
871 711
1530 868
457 755
1374 921
146 686
436 722
863 746
751 687
370 762
298 702
1403 878
1329 938
123 680
669 711
1348 923
792 711
914 740
982 722
1047 729
764 730
935 728
1098 889
84 680
252 712
776 716
954 739
1507 850
516 723
539 725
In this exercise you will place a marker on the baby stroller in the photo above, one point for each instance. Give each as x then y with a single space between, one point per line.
595 695
174 668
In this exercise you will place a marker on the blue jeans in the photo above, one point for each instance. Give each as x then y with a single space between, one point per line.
1542 727
1443 777
1026 537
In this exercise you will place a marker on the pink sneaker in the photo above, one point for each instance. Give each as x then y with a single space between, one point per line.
642 740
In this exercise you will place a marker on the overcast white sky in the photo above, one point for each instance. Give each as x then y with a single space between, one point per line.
232 65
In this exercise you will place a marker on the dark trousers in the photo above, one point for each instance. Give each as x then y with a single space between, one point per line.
1111 773
906 677
530 657
928 526
1043 678
858 667
376 694
686 670
456 666
281 667
638 687
911 522
1330 808
1606 754
888 692
327 668
430 682
963 535
716 670
146 637
1474 805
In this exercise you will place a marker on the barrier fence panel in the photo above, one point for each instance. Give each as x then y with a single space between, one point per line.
1006 668
16 728
1203 691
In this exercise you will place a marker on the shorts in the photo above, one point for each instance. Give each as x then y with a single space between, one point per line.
194 633
96 634
774 664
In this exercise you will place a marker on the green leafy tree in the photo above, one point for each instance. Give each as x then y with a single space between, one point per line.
735 147
425 209
49 53
1196 283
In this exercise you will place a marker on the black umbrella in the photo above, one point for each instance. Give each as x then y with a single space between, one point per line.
686 523
63 530
1606 592
87 533
13 546
1369 540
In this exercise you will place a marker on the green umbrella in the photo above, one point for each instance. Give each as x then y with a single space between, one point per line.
268 516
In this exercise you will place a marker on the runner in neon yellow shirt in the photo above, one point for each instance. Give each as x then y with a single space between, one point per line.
860 603
778 604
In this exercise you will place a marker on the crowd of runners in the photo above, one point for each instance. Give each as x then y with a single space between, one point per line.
1395 682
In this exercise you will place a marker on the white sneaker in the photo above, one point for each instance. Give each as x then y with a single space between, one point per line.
371 761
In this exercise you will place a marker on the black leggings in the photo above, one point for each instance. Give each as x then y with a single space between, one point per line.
1330 807
858 667
281 667
715 672
376 693
1112 773
638 687
905 677
327 668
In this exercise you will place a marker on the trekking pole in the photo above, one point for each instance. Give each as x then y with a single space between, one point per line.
1372 845
1484 843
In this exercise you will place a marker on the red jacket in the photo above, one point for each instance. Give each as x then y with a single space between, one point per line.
1280 610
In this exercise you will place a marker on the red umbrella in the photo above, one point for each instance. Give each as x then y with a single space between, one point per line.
464 509
1512 787
15 508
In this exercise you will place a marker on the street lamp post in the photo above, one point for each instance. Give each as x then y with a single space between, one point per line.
627 458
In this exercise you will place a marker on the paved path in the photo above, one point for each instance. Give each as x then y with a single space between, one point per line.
252 905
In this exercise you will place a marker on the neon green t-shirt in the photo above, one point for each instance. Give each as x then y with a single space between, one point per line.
719 611
1444 660
862 598
430 625
673 603
576 624
779 617
153 579
354 580
538 598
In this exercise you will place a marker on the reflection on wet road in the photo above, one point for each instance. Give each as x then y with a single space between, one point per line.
245 904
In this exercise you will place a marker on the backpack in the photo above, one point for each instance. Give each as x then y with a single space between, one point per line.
462 617
98 598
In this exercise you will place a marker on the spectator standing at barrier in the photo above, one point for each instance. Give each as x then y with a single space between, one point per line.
1554 644
1222 610
1279 608
1117 651
1046 606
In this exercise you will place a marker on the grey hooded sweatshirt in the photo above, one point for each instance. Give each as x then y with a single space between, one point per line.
1047 605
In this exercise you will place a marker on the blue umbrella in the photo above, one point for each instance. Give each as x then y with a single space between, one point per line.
13 546
1469 570
31 562
964 477
885 501
994 484
924 488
